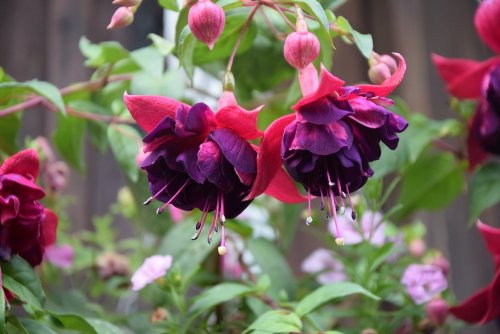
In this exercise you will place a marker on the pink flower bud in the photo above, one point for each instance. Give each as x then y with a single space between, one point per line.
437 311
301 48
441 262
417 247
390 62
378 73
127 3
122 17
206 21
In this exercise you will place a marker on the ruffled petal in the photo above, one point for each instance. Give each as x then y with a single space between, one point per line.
324 111
390 83
199 119
236 150
149 110
328 84
283 188
210 162
463 77
487 22
269 158
24 163
322 139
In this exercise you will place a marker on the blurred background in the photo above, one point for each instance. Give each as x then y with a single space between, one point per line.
39 39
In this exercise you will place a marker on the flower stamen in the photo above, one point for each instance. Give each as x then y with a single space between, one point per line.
162 208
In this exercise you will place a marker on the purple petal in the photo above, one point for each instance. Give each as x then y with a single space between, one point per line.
189 159
236 150
199 119
325 110
210 162
322 139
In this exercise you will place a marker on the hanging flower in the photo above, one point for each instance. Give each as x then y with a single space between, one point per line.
423 282
484 305
201 159
470 79
26 227
328 143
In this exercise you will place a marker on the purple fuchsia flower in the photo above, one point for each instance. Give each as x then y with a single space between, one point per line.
329 141
423 282
201 159
370 228
480 80
26 226
322 262
153 268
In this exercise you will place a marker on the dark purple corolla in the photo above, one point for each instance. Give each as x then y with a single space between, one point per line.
336 131
198 158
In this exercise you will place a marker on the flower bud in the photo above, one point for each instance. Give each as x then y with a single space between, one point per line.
206 21
301 48
127 3
122 17
417 247
441 262
437 311
378 73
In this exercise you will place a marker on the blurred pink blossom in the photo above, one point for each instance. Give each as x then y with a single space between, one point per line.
60 256
354 232
154 267
175 214
322 261
423 282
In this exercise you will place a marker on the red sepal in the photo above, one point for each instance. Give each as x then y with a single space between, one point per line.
463 77
283 188
50 228
328 83
149 110
268 157
475 153
241 121
25 163
487 22
491 236
390 83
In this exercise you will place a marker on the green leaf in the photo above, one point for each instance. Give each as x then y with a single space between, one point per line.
169 4
68 139
86 325
97 130
9 127
2 311
164 47
277 321
187 43
10 90
104 327
229 4
169 84
485 189
327 293
218 294
314 8
364 42
35 327
102 53
149 59
20 278
125 142
272 263
432 182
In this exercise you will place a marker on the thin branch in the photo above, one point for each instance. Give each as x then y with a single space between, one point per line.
91 85
99 118
277 8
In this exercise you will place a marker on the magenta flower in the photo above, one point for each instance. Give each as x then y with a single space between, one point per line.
369 228
327 144
153 268
322 262
201 159
484 305
470 79
423 282
26 227
60 255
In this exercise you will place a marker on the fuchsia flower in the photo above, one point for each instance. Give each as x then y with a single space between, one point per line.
328 143
470 79
322 262
206 21
153 268
26 227
484 306
201 159
423 282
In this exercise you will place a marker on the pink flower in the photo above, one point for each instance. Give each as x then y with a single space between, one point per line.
60 256
154 267
437 311
369 228
206 21
322 262
423 282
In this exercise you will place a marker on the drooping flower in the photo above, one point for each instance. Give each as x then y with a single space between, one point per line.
322 262
370 228
423 282
26 227
301 47
484 305
153 268
201 159
206 21
328 143
470 79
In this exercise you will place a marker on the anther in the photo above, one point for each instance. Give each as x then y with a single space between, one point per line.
353 215
222 250
339 241
198 225
341 210
309 220
331 183
195 236
209 239
159 211
343 194
216 228
149 200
